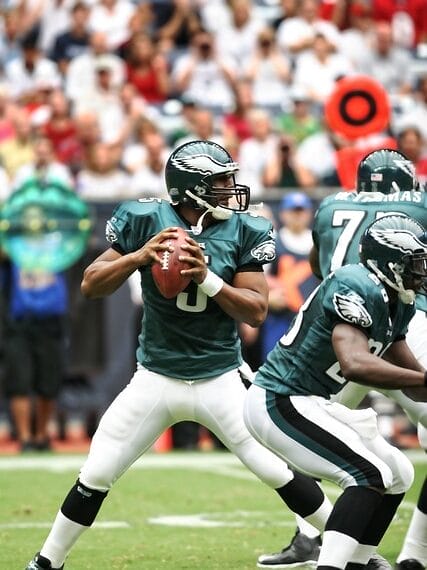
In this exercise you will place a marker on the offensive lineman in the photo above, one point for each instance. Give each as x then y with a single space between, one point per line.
358 315
386 183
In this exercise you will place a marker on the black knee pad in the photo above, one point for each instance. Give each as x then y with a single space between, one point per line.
82 504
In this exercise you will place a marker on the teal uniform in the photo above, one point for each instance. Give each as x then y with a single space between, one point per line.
343 217
190 337
303 362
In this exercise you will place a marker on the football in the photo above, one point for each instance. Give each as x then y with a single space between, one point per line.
166 274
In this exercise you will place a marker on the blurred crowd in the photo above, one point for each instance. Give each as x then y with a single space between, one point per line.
98 92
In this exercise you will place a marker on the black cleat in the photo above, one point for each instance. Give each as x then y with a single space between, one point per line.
301 551
377 562
39 562
409 564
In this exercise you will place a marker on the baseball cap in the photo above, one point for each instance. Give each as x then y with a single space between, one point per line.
295 200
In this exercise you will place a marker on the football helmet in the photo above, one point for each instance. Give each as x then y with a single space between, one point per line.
386 171
394 247
190 179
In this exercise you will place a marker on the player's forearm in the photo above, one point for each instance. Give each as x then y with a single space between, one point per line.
243 305
370 370
102 278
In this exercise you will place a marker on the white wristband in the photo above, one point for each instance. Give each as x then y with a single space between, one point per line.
212 284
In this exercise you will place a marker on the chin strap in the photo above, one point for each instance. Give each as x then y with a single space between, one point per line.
407 296
217 212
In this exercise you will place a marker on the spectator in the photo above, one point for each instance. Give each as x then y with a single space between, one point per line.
408 19
388 63
315 161
7 108
54 20
82 69
288 9
23 74
413 110
238 39
268 70
101 180
280 170
103 98
134 154
300 122
202 128
203 76
318 69
147 69
296 34
19 149
87 134
60 128
74 41
112 17
289 277
148 180
256 151
179 20
43 167
410 143
10 28
34 350
236 124
355 40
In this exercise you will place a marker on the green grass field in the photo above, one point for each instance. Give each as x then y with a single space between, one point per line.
177 510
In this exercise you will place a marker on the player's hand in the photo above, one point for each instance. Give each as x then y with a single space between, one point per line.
196 258
148 253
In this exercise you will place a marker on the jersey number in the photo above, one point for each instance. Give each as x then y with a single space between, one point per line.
350 221
192 300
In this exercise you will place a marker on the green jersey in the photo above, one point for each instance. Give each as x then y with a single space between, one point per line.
343 217
303 362
190 336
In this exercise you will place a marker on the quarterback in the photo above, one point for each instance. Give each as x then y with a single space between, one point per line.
189 356
352 327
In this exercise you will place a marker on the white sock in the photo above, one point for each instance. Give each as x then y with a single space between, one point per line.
63 535
415 545
337 549
317 519
306 528
363 553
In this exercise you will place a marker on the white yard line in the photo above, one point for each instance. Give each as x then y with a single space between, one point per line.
222 462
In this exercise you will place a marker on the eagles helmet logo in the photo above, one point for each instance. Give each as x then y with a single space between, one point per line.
110 232
350 308
203 164
265 251
403 240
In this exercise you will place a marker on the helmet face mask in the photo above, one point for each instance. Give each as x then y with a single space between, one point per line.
386 171
200 174
393 248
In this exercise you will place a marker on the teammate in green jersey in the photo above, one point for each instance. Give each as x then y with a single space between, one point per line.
352 327
386 183
189 350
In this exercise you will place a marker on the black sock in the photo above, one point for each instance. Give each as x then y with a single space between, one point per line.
381 519
422 499
353 510
302 495
82 504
